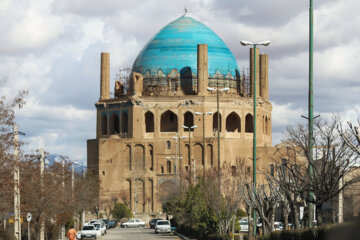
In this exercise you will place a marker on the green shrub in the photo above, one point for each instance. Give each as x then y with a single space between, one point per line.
120 211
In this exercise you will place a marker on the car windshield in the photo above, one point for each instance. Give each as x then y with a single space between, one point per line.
88 228
162 223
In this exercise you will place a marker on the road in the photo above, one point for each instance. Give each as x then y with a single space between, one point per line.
136 234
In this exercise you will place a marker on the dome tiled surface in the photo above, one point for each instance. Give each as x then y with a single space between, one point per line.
175 47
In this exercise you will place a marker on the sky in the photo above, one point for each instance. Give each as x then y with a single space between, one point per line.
52 48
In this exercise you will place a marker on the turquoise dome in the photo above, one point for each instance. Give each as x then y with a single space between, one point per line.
175 47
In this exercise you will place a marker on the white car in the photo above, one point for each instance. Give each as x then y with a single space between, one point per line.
133 223
88 231
244 224
101 226
162 226
278 226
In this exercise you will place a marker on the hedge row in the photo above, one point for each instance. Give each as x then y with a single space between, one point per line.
347 231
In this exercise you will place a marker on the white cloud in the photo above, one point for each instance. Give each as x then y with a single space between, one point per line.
52 48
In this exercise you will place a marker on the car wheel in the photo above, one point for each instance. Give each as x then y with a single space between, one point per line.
125 226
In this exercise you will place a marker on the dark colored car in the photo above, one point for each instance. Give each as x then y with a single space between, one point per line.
152 222
112 223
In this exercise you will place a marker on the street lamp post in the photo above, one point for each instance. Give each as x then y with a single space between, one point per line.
218 122
246 43
189 129
203 115
17 223
176 158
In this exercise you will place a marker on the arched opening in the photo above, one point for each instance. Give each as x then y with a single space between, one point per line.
124 123
187 155
162 169
189 120
151 155
249 123
149 121
150 198
169 122
198 154
114 124
168 166
267 126
104 124
128 155
139 195
166 190
139 157
233 123
128 196
209 154
215 121
168 145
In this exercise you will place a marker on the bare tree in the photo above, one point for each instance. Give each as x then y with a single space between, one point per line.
333 159
351 136
264 199
226 200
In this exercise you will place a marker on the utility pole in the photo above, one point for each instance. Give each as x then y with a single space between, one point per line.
17 223
42 225
194 171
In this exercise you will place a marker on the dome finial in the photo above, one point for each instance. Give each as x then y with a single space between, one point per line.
185 11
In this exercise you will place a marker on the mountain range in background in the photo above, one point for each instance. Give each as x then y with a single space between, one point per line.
79 166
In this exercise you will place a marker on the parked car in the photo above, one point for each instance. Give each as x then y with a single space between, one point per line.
106 221
162 226
101 226
244 224
152 222
112 224
133 223
278 226
88 231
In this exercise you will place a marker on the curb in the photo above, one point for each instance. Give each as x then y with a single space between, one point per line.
181 236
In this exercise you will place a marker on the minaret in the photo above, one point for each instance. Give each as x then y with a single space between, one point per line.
105 76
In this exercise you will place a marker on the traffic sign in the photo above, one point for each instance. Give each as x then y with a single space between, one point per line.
28 217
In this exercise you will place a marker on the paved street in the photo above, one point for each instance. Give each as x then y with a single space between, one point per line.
135 234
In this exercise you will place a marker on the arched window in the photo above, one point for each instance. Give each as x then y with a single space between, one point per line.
168 166
104 124
215 121
249 123
189 120
169 122
149 121
168 145
124 122
233 123
162 169
114 124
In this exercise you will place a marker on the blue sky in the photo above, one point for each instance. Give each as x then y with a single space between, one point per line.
52 48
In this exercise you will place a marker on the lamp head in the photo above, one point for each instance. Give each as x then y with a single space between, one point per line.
264 43
246 43
225 89
193 126
185 127
210 89
209 113
198 113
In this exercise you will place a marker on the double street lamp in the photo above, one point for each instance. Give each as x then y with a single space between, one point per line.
218 121
246 43
189 129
